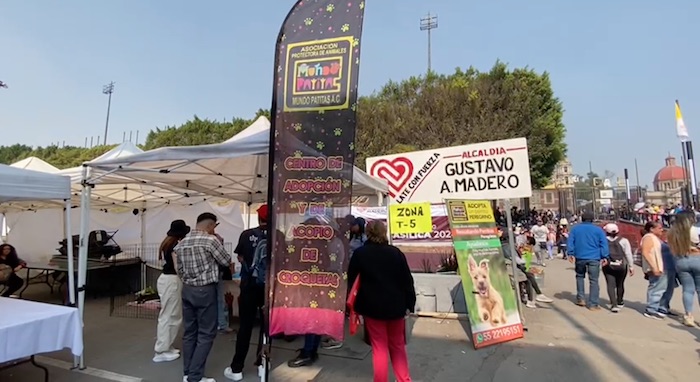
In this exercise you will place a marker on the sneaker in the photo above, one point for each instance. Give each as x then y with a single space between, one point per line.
205 379
654 315
165 357
531 305
580 303
225 330
173 350
543 298
621 305
302 360
615 309
332 345
594 308
261 371
228 373
689 321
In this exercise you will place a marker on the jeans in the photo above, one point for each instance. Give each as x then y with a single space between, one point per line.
252 300
689 272
550 250
170 316
311 345
592 267
388 339
671 275
655 290
199 311
615 282
531 283
222 308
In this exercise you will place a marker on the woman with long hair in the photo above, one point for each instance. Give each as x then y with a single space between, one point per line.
653 268
684 240
385 297
170 292
9 258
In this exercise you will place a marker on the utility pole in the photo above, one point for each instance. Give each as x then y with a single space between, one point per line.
108 89
429 23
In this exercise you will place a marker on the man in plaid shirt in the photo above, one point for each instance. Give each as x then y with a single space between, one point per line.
198 256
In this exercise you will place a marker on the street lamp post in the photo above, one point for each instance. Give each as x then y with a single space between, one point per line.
108 89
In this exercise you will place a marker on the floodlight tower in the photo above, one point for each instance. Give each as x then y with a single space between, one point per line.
428 23
108 89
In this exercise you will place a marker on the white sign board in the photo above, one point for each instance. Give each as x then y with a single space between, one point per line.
490 170
606 194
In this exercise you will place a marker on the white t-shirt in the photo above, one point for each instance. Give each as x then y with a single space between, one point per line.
695 235
539 232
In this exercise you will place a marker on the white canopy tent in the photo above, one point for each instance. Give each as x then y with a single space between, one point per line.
236 169
35 164
20 185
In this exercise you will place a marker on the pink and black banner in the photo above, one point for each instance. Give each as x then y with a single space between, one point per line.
311 165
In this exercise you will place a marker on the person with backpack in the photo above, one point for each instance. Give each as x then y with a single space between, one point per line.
621 263
252 254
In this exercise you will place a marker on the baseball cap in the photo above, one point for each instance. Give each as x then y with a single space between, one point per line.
611 228
262 212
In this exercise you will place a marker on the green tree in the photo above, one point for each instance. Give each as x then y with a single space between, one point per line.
465 107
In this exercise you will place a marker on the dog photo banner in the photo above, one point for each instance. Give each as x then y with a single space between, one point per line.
493 310
489 170
312 153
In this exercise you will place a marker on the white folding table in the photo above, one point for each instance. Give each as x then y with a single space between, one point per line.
29 328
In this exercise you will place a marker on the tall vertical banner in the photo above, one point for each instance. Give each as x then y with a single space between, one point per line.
312 152
493 310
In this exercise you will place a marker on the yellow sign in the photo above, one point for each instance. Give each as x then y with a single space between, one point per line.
410 218
479 211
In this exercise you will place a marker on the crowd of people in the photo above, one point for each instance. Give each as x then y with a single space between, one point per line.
195 262
669 258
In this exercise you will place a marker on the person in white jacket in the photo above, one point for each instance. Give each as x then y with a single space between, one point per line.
621 263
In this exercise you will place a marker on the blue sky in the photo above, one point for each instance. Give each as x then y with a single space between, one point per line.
616 65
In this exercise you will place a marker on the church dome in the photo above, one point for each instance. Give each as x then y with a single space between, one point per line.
670 172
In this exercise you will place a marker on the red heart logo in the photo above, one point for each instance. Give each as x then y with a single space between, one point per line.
396 172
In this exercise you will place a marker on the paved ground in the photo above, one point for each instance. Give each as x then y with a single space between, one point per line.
563 342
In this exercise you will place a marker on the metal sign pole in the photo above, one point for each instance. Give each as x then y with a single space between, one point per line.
513 264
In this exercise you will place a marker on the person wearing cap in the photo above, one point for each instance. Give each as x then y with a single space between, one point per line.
621 263
198 257
170 292
252 296
587 248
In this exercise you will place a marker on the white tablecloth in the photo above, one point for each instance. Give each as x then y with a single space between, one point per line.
28 328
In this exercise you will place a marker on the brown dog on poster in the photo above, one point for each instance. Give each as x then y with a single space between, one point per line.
488 301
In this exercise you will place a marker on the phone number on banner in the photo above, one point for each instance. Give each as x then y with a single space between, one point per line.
494 336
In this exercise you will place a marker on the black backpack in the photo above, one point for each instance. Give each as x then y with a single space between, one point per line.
618 260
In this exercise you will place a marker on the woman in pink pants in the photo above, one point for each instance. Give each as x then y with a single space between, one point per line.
385 297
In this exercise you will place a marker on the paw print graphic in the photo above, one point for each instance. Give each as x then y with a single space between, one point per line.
354 107
362 5
321 112
346 183
351 146
314 269
356 42
345 275
333 257
313 304
296 126
298 154
277 133
357 61
320 145
331 294
291 249
308 21
274 167
338 132
293 205
345 27
328 203
330 8
284 37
